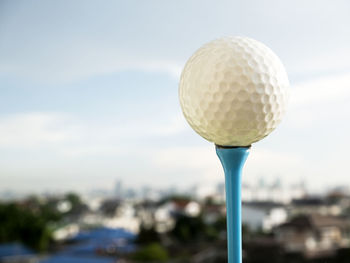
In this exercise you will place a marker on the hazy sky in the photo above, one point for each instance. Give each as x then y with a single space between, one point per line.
88 92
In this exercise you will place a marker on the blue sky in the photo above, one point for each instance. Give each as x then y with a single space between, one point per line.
88 92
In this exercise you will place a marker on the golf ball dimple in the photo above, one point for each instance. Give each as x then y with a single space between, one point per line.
233 91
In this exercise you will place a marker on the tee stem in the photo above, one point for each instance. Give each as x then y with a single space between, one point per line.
232 160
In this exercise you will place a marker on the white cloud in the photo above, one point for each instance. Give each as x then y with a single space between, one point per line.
75 61
266 162
169 67
334 60
71 136
175 125
202 158
326 89
87 149
33 129
319 101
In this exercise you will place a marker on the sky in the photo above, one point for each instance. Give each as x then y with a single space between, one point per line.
89 92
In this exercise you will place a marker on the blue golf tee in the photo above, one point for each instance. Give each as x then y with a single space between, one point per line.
232 160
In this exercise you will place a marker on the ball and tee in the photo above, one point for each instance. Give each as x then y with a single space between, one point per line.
234 91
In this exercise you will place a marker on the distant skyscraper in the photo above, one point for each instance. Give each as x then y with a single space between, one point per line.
118 189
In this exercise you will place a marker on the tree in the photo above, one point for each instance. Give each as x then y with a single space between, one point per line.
20 224
189 229
147 235
151 252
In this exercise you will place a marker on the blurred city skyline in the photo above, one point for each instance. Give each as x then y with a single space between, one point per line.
89 92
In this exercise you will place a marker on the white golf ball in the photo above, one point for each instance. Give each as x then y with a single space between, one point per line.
234 91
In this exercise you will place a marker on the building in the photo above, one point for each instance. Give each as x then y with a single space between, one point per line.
314 205
263 215
314 235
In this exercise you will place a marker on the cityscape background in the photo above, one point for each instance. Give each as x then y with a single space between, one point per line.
92 137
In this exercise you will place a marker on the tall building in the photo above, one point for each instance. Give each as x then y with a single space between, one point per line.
118 189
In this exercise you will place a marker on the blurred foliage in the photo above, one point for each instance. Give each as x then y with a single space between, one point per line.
147 235
151 252
209 201
188 229
48 212
262 250
343 255
20 224
220 223
192 229
176 198
77 204
74 199
28 221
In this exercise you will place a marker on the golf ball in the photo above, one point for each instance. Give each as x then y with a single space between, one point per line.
233 91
